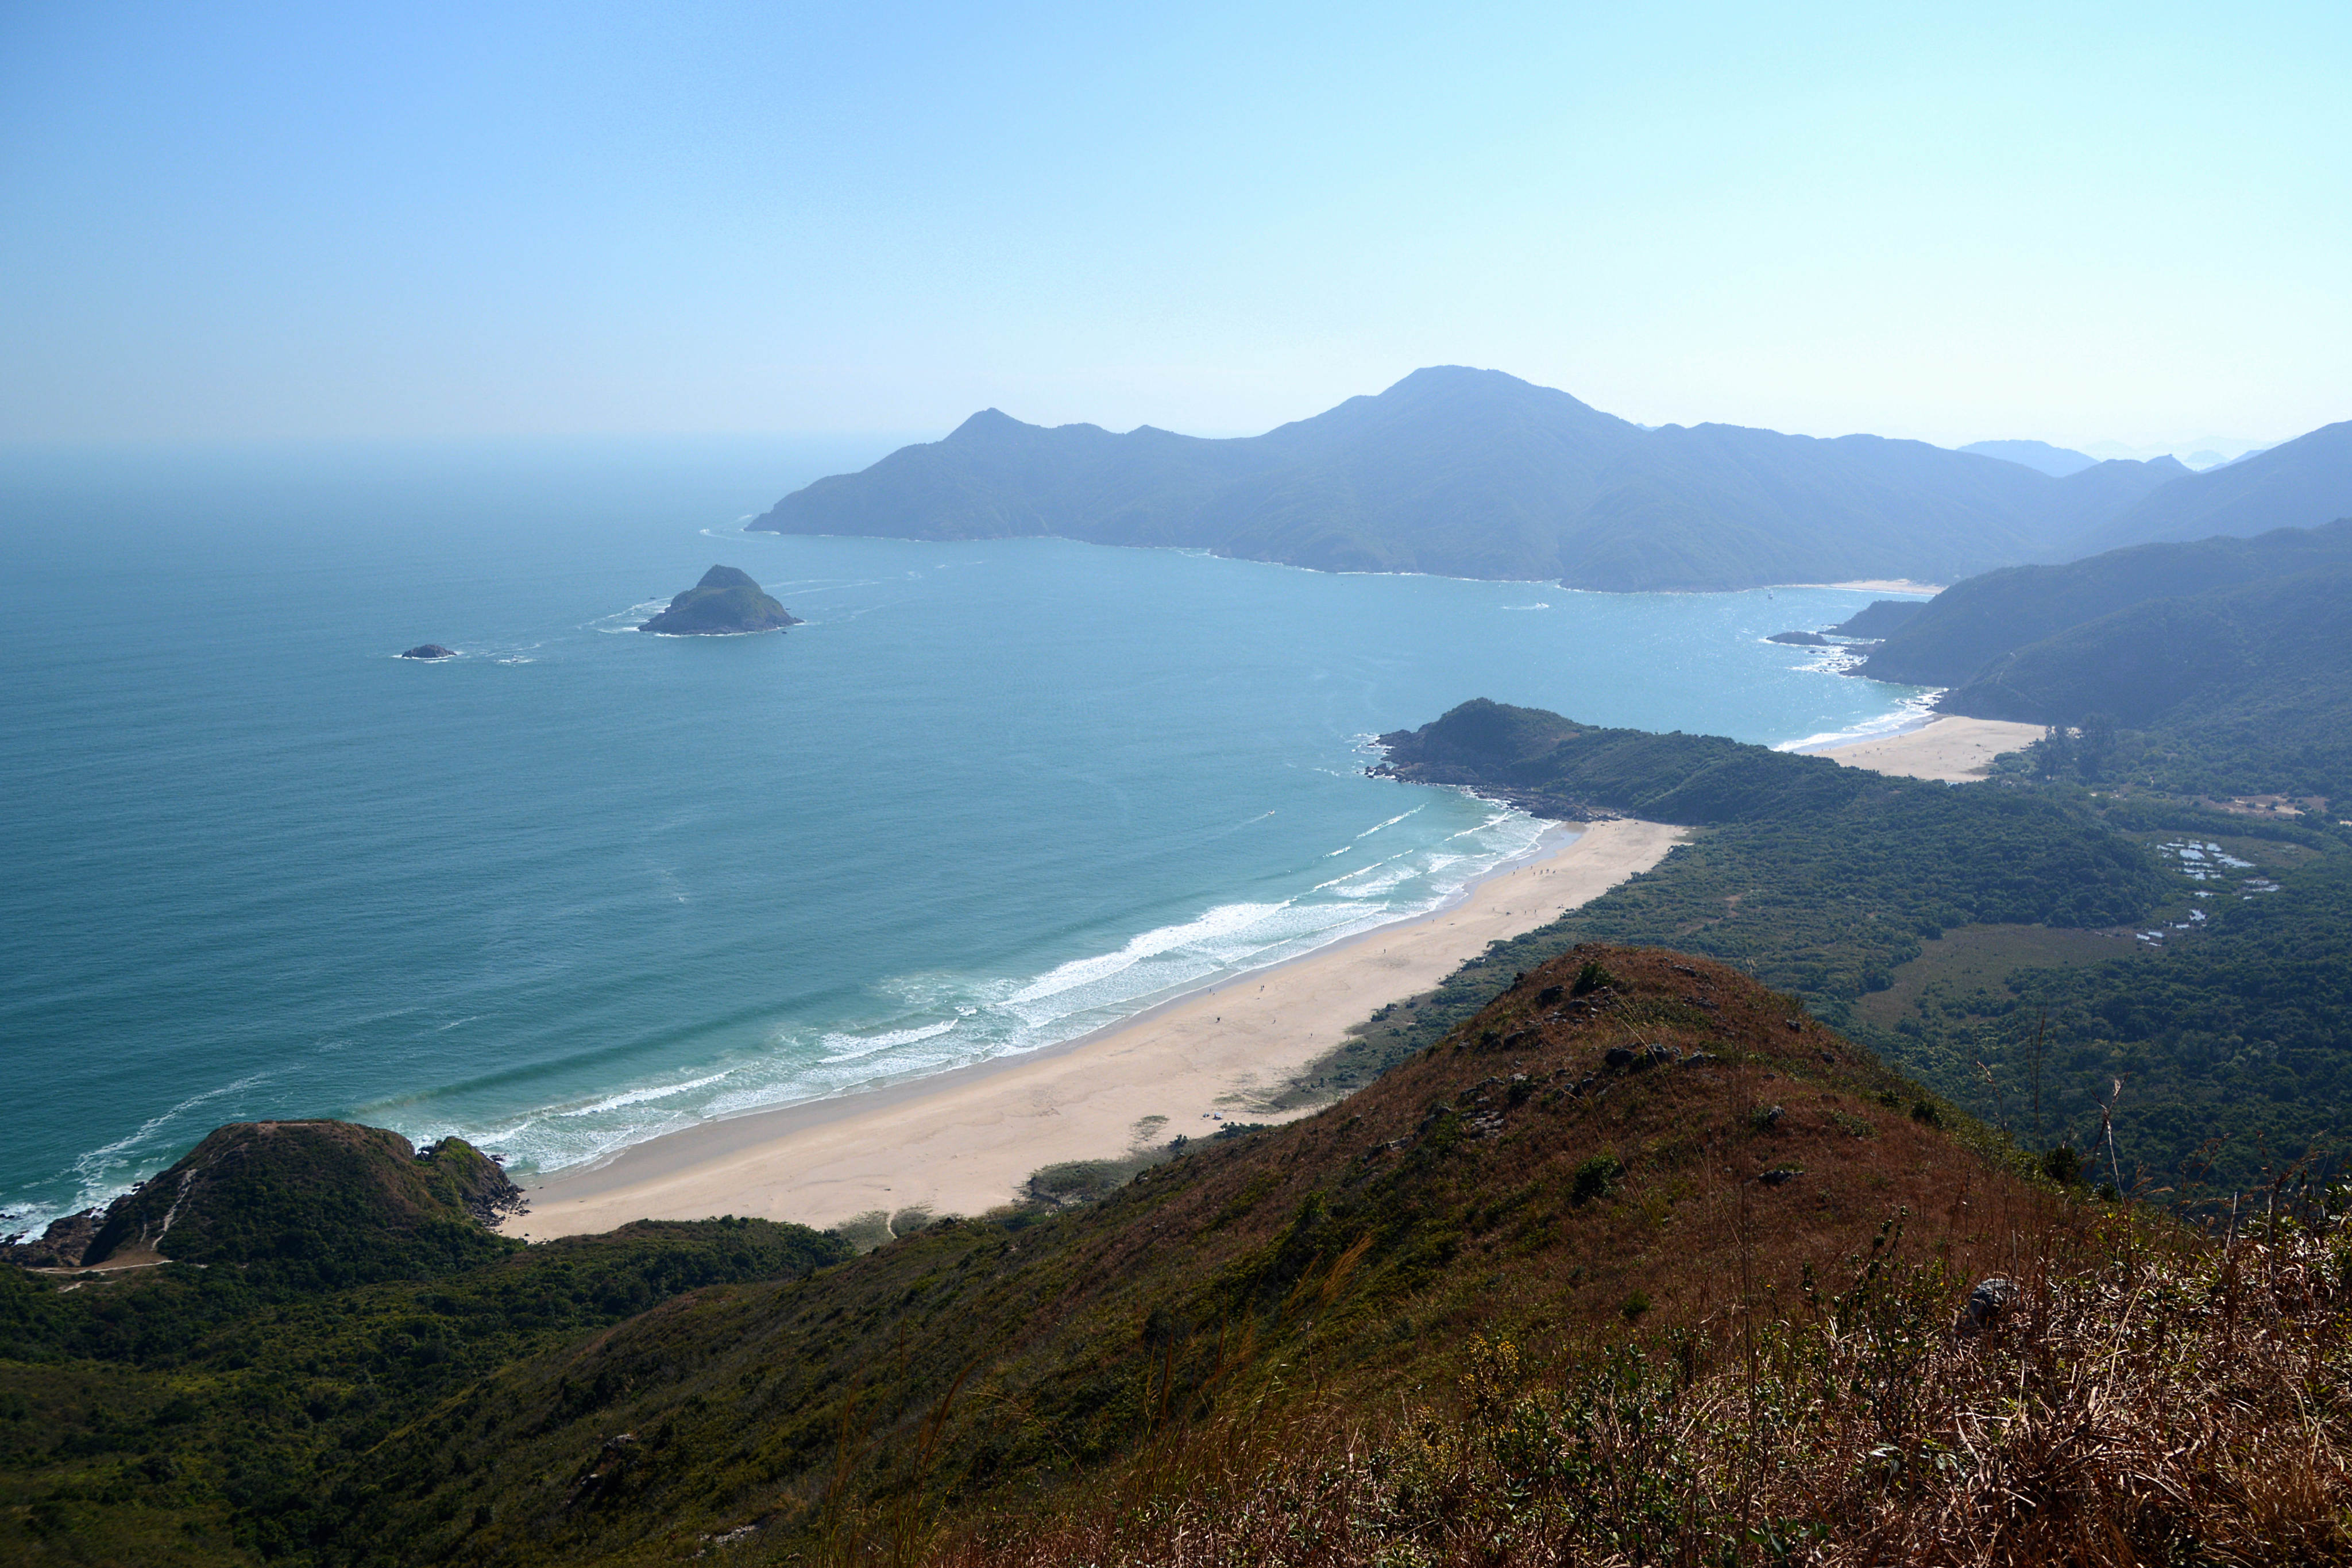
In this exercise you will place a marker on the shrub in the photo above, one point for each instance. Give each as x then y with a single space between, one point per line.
1592 978
1596 1177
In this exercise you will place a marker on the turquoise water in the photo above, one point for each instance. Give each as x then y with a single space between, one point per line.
580 886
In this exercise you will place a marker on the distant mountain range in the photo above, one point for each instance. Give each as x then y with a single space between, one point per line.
2056 461
1474 473
2301 483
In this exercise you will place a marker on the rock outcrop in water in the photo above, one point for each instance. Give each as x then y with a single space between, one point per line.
430 650
727 601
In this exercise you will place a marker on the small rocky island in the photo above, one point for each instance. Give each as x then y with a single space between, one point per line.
1801 639
725 601
430 650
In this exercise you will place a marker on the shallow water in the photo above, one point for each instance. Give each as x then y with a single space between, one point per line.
580 886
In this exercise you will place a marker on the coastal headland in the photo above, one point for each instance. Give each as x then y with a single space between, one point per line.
966 1142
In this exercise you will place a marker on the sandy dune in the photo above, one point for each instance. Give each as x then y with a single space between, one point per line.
965 1141
1953 749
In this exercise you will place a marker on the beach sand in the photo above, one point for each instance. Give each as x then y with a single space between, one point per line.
1953 749
1888 586
966 1142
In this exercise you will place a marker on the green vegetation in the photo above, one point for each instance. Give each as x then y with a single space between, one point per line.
727 600
646 1395
2241 691
1835 884
308 1204
2229 1037
1969 625
193 1415
1474 473
1532 1289
2092 1420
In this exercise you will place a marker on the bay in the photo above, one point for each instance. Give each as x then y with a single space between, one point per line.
579 885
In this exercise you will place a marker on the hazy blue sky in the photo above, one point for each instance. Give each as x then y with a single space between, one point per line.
2072 222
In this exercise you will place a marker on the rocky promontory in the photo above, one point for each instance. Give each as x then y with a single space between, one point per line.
323 1201
725 601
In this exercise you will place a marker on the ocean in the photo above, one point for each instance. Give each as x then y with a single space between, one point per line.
580 886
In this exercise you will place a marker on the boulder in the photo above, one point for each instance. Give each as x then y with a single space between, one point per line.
1987 1302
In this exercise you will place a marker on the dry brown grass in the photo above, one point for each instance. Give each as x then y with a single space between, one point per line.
2187 1402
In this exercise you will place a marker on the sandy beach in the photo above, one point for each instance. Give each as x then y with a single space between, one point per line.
1953 749
965 1141
1878 586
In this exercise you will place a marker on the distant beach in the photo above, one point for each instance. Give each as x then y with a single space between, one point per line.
966 1141
1951 748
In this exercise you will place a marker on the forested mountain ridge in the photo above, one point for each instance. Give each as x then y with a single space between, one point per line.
1965 628
2300 483
2238 690
2146 662
1474 473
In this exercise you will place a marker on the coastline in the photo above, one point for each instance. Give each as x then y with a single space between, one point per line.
966 1141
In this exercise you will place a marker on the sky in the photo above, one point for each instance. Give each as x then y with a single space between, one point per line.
240 222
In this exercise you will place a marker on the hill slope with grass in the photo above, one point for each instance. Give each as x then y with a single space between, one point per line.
1640 1252
1474 473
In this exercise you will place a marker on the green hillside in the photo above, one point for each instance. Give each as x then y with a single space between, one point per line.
1639 1262
1474 473
2234 691
1970 624
1879 618
313 1203
1842 885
